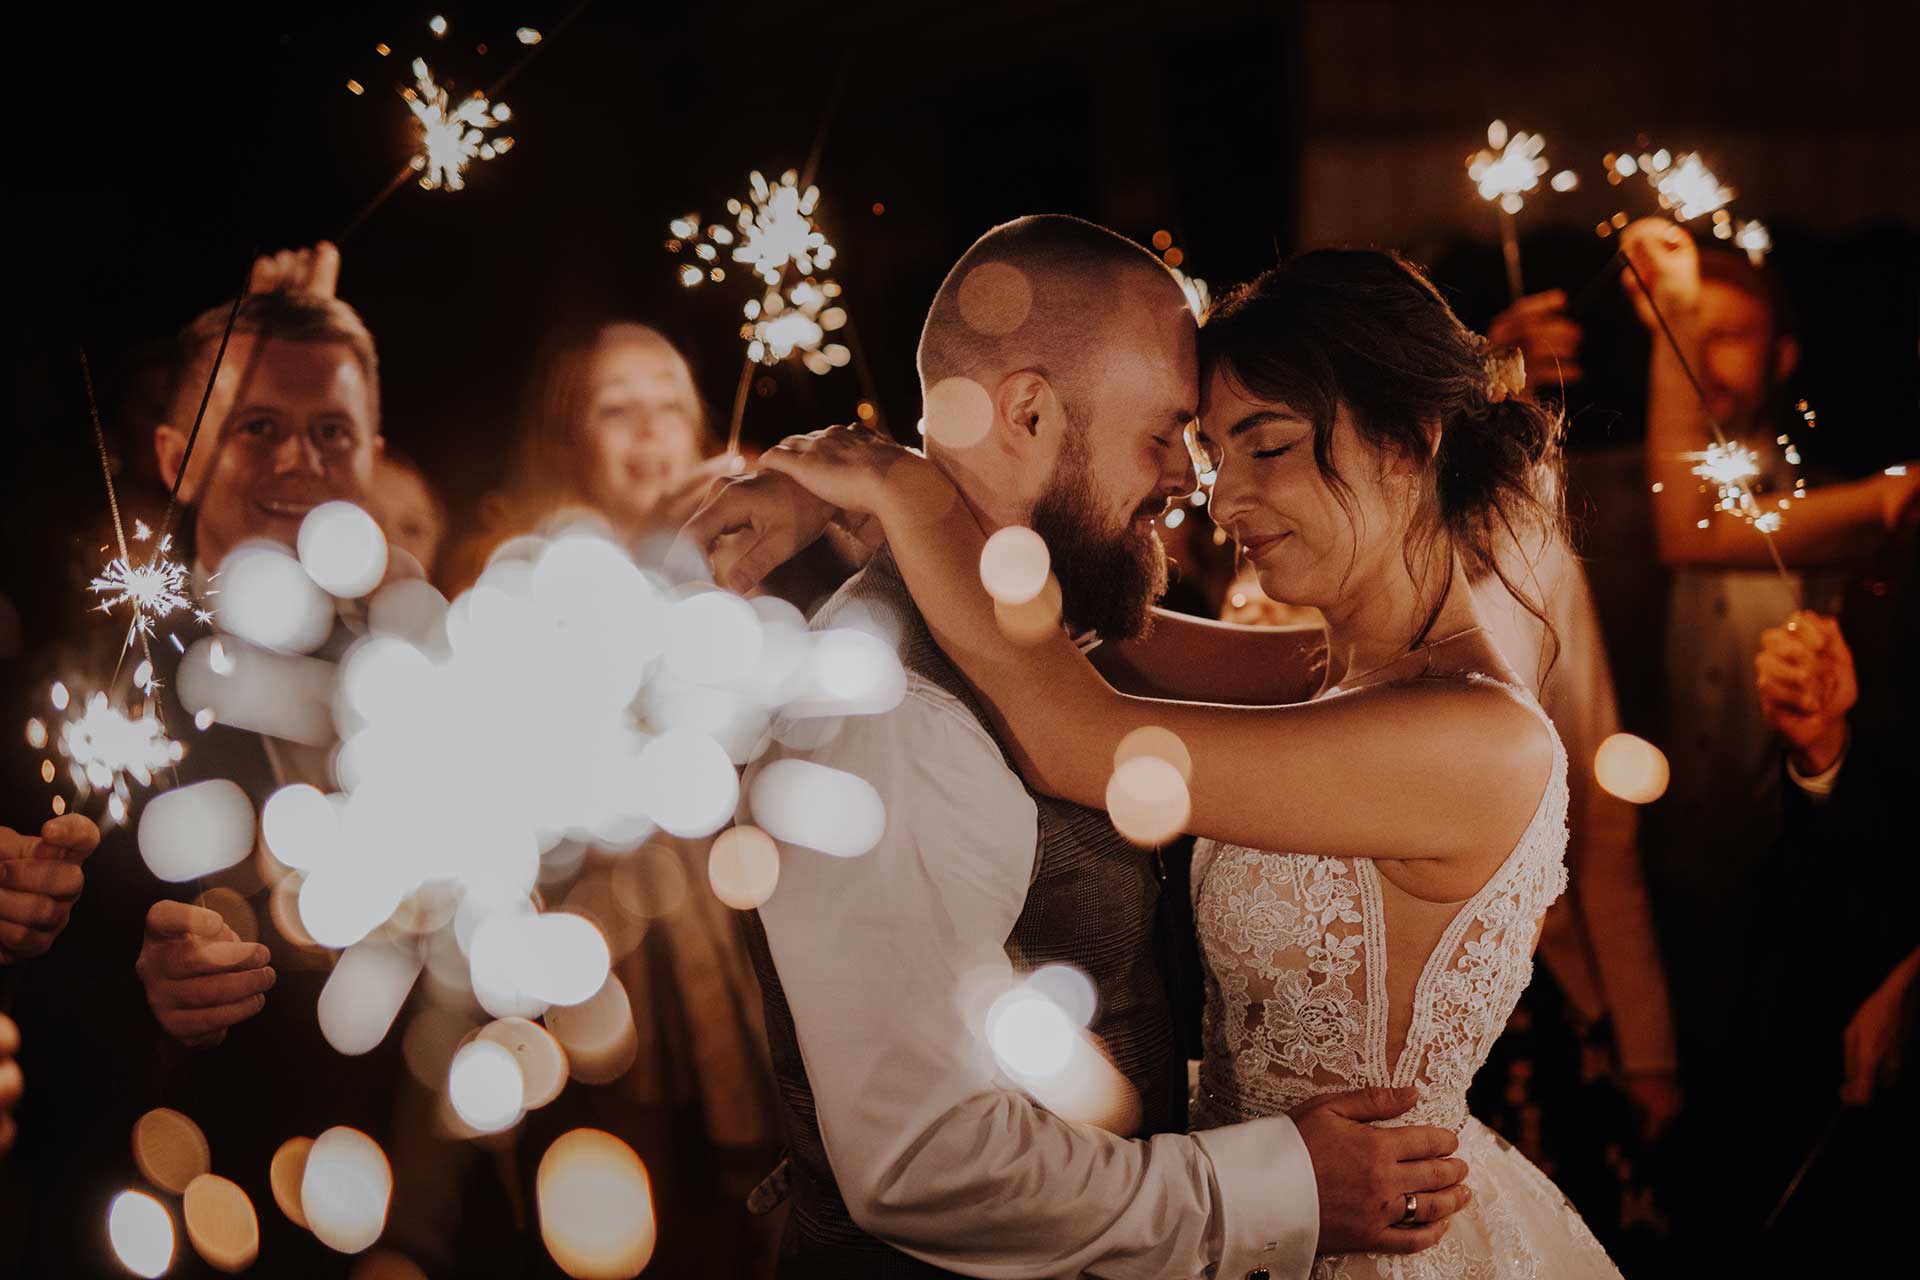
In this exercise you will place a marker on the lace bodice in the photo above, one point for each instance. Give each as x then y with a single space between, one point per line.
1297 985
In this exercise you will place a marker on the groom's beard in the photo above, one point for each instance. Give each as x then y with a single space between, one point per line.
1109 579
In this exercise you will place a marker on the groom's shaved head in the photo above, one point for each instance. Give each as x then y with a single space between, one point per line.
1034 293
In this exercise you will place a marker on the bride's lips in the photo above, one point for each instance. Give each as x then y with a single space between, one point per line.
1255 547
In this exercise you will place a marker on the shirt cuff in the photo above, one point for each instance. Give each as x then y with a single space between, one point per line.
1820 785
1268 1204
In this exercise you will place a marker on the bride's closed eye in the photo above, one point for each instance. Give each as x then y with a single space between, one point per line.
1274 452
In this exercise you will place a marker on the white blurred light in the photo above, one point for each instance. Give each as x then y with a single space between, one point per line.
1069 988
496 964
279 694
142 1233
812 805
713 638
409 609
847 672
221 1223
542 1062
364 993
345 1189
596 1206
301 826
196 830
1631 768
342 549
565 958
687 783
1014 565
1031 1036
743 867
485 1086
1148 801
265 597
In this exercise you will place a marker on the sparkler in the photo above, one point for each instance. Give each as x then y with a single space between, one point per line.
1510 166
105 747
153 589
451 137
798 320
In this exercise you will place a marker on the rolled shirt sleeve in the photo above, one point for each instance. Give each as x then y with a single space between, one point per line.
934 1151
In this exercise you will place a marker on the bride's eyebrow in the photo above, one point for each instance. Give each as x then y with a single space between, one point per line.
1260 418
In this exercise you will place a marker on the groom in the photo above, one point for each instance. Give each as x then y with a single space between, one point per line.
1059 371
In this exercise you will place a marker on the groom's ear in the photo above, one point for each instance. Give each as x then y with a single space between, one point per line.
1020 403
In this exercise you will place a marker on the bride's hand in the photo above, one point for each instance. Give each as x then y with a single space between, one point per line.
851 468
753 525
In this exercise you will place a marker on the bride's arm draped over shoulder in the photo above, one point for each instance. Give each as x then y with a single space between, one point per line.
1197 660
1401 772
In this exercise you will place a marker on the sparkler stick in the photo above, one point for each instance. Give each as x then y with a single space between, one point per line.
738 415
1504 174
1729 478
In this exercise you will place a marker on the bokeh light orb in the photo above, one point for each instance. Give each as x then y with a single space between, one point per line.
959 413
564 958
1034 621
221 1223
342 549
1014 565
1158 742
169 1149
598 1035
1069 988
409 609
345 1189
265 597
1631 768
196 830
285 1174
743 867
596 1206
485 1086
818 807
1148 801
687 782
995 298
364 993
542 1062
713 638
141 1230
1031 1036
301 826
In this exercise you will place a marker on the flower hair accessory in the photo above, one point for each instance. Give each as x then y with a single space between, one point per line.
1506 370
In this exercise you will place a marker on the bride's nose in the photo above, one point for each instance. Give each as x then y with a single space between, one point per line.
1230 501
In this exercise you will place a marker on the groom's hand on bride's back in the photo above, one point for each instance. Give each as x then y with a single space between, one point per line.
1365 1173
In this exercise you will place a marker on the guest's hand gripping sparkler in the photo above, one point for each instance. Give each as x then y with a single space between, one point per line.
199 976
40 878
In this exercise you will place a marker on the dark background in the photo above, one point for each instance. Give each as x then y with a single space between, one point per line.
152 153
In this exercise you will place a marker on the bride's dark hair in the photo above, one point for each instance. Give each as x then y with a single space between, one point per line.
1365 329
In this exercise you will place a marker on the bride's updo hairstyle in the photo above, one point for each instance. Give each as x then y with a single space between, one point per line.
1365 329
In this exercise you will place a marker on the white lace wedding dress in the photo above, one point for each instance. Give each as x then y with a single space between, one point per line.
1301 1002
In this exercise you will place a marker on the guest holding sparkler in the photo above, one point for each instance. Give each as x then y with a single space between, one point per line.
1723 349
1844 711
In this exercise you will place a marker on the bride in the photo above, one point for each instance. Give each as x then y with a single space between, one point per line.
1369 455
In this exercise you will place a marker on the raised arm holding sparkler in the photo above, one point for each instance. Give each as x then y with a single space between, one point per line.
1727 340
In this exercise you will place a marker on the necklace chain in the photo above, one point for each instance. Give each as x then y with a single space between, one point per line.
1348 681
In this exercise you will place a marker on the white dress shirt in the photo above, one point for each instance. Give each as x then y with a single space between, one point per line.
934 1152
